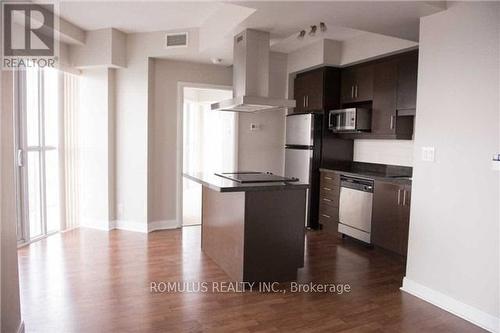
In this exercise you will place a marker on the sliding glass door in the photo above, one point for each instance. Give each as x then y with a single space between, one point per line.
38 125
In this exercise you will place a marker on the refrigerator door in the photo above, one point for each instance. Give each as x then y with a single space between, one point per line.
298 163
299 130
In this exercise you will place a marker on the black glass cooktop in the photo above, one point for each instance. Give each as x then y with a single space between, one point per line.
254 177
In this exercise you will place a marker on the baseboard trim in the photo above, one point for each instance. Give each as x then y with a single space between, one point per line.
131 226
462 310
20 329
162 225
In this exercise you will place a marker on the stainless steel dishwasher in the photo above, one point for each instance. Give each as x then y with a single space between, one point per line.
355 207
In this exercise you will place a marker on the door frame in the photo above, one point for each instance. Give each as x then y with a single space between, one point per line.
180 144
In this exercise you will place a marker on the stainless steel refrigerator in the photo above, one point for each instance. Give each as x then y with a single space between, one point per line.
303 157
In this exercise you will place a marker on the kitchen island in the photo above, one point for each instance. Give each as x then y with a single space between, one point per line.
253 231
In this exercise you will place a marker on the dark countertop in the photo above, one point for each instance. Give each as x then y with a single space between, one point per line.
221 184
392 173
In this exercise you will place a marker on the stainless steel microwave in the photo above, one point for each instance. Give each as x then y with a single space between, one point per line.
350 120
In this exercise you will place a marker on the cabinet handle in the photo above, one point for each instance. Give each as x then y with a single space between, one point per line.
328 178
404 197
327 216
399 197
392 122
327 189
307 100
304 101
356 91
327 200
352 92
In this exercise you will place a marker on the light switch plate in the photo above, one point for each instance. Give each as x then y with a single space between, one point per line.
428 154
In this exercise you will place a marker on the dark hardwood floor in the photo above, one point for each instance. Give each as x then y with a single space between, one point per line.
94 281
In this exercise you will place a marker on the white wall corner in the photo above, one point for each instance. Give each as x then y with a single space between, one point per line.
20 329
118 49
163 225
131 226
104 225
462 310
103 48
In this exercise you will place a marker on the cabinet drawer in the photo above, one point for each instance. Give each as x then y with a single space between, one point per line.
330 179
329 192
329 212
329 224
329 201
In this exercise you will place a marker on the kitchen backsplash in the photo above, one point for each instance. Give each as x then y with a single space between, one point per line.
395 152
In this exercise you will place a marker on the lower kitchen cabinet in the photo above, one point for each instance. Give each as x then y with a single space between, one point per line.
391 216
329 200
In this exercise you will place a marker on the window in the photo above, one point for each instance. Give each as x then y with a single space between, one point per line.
38 136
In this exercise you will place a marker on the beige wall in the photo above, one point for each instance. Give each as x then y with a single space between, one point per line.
264 149
103 48
454 254
396 152
96 130
370 46
11 314
162 132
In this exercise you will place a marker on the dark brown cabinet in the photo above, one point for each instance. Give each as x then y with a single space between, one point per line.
389 87
384 98
329 200
316 90
391 216
407 83
357 84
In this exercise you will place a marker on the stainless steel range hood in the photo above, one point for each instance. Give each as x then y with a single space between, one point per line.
251 76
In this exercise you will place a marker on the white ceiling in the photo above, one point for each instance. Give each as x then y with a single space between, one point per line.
393 18
220 21
137 16
281 18
292 42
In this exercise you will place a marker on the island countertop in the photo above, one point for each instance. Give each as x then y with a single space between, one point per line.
221 184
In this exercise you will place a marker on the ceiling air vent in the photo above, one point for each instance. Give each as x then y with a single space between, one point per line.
176 40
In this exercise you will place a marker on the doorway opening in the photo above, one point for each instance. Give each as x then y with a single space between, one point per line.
209 144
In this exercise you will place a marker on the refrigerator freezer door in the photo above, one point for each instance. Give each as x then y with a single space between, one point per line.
299 130
298 164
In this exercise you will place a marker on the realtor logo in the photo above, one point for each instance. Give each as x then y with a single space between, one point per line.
28 34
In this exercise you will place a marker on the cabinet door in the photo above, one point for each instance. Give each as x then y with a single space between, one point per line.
299 93
407 81
314 90
363 85
386 216
384 98
347 82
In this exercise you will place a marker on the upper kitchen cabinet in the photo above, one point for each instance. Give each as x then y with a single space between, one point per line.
407 83
384 98
317 90
387 121
357 84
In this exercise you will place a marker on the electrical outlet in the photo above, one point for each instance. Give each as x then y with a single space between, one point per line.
254 127
428 154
